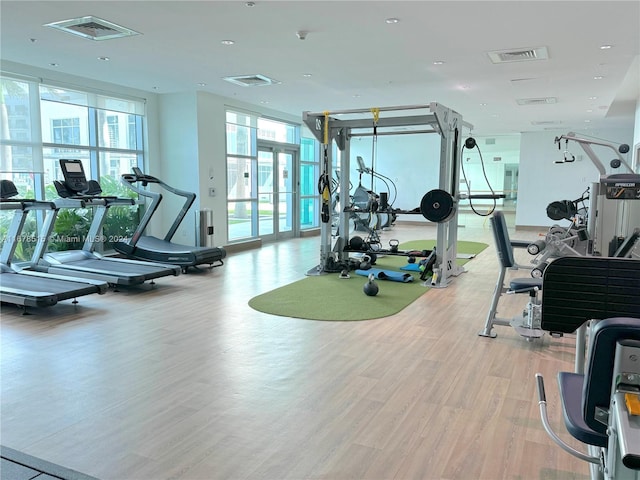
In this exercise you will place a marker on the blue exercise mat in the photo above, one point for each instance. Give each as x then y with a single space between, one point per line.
411 267
386 275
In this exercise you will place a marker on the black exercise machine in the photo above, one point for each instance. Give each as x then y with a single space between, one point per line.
78 192
601 399
147 247
24 287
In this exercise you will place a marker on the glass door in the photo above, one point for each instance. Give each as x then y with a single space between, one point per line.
276 179
285 223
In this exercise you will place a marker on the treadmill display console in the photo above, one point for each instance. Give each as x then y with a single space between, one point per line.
74 176
623 186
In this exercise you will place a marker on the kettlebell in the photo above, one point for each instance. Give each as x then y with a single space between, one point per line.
371 287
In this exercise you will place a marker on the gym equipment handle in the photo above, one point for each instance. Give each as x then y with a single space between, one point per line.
542 397
483 196
542 402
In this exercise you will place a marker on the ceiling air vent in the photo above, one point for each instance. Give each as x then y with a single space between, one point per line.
519 55
93 28
251 80
537 101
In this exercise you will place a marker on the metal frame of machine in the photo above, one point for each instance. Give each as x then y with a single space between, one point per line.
327 127
616 186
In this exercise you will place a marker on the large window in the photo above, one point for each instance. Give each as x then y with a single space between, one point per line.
242 162
42 123
309 174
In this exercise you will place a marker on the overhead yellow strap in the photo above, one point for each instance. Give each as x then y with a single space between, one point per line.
326 127
376 114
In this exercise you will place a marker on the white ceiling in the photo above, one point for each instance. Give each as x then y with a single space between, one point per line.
355 58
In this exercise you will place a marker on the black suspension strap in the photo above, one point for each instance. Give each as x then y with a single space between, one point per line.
374 144
324 182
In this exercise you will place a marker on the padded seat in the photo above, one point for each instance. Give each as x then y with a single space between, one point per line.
570 385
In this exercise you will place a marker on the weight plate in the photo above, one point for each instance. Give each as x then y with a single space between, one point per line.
437 206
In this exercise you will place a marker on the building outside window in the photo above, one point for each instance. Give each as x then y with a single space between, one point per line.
66 130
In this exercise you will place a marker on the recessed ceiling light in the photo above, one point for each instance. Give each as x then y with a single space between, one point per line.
391 20
593 98
589 111
250 4
104 59
483 104
33 40
53 64
598 77
154 88
202 84
356 95
438 62
605 47
587 121
227 42
264 102
307 75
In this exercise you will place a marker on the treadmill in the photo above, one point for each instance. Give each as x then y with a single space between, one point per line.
27 288
77 192
147 247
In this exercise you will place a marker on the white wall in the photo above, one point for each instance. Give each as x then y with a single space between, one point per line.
211 127
634 207
413 163
410 161
177 163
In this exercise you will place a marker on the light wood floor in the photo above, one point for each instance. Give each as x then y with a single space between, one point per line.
185 381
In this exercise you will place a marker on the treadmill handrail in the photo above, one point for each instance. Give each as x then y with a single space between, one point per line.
155 197
128 179
25 204
81 201
110 201
22 207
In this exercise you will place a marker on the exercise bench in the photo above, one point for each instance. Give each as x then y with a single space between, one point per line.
527 324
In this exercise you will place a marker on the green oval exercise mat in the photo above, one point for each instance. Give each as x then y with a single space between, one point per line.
331 298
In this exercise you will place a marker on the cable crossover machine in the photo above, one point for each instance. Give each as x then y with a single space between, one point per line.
437 205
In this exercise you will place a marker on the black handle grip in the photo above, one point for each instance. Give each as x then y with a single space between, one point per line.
486 196
542 397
